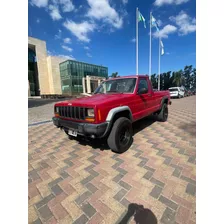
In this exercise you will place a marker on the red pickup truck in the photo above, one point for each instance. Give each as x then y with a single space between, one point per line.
111 110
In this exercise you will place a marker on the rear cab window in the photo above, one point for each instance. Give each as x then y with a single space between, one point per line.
143 84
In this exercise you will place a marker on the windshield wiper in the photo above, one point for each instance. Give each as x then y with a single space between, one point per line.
113 91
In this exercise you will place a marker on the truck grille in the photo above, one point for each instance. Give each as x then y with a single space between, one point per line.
78 113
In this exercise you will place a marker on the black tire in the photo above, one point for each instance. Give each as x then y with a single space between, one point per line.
120 137
163 114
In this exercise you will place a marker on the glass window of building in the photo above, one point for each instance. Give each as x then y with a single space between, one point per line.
72 72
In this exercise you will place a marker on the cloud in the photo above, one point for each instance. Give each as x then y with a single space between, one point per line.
39 3
38 20
58 36
101 9
80 30
67 40
89 55
54 12
86 48
49 53
67 5
159 22
169 2
133 40
70 57
125 2
185 23
179 2
67 48
163 33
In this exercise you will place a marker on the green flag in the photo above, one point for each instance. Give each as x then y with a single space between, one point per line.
141 18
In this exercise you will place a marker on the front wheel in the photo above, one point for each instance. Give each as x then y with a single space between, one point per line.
120 138
163 114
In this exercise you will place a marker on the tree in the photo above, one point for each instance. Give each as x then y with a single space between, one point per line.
114 75
154 81
193 83
187 73
166 78
178 79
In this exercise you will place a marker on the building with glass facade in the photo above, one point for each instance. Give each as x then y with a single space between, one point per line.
53 76
73 72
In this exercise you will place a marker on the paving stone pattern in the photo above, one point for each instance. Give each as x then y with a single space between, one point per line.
72 182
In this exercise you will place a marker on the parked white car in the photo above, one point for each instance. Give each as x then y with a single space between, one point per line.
176 92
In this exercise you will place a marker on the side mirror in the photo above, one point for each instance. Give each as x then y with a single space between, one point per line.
142 91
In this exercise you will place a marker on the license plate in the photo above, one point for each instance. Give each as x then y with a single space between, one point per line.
72 133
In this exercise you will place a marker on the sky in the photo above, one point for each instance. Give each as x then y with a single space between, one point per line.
103 32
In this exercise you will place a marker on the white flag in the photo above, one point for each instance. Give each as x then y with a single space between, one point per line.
154 23
141 18
162 47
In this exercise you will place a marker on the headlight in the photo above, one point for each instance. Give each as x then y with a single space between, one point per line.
56 109
90 112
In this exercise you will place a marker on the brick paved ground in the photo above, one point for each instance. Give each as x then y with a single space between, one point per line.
155 179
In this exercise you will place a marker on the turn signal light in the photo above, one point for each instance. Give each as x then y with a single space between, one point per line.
56 114
90 119
99 115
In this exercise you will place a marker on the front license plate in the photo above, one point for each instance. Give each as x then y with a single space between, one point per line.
72 133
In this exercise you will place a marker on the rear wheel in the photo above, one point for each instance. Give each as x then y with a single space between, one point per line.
163 114
120 138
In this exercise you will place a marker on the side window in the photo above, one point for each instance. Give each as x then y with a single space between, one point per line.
143 84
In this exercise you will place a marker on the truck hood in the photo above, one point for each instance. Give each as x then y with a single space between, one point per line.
95 100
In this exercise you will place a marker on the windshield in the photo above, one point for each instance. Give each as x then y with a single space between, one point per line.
126 85
173 90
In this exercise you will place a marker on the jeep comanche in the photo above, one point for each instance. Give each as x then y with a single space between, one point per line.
111 110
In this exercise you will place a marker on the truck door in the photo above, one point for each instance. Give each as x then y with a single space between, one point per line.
152 100
143 98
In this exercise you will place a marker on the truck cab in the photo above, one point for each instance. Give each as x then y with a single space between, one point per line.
111 110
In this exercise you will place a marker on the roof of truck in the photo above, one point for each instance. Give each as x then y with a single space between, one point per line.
130 76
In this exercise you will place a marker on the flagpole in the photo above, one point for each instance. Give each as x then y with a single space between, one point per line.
150 46
136 41
159 67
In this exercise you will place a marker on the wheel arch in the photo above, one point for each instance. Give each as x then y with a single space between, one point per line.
123 111
164 100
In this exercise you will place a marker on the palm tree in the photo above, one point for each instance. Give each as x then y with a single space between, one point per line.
187 73
178 79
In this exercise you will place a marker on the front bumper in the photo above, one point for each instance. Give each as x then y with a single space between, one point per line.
84 129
